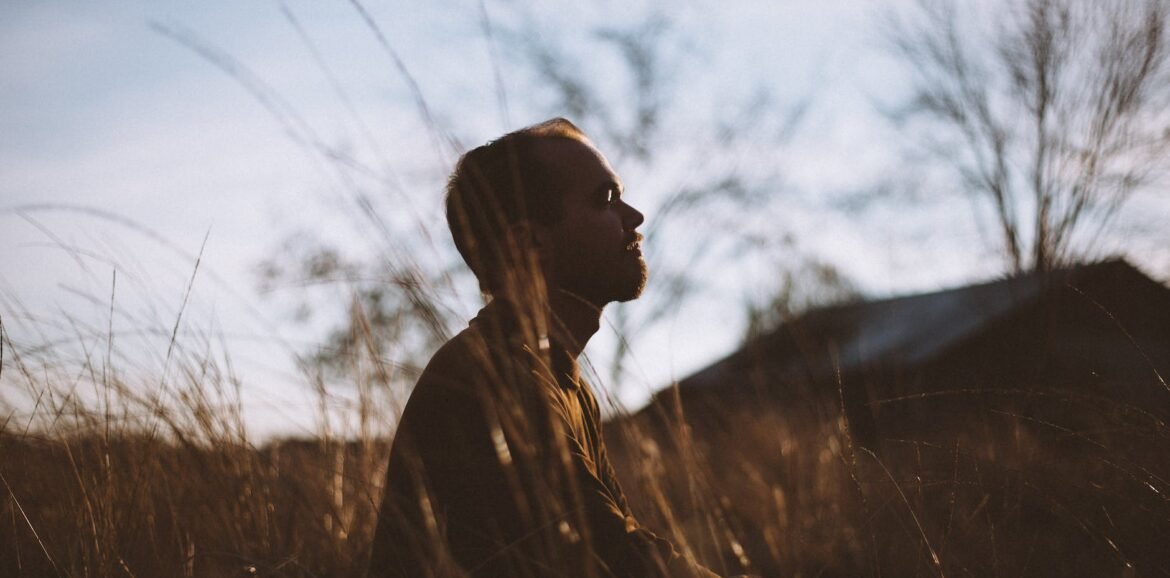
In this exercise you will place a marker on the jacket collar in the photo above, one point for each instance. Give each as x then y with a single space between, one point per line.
501 322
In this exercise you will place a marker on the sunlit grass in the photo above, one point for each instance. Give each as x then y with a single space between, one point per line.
121 483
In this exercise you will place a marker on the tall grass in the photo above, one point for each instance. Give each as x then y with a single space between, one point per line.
158 475
1009 483
982 486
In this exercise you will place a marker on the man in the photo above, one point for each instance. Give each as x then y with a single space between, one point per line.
498 467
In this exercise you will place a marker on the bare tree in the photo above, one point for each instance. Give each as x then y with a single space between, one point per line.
1051 112
799 288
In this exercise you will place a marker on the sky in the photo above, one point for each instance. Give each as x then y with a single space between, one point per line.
153 154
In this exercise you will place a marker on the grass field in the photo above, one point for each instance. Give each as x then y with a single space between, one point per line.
1073 487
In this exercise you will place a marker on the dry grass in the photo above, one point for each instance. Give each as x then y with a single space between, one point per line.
140 507
982 485
995 488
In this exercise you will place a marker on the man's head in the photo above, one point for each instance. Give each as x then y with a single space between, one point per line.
545 196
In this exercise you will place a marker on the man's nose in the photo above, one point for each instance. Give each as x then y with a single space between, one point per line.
632 218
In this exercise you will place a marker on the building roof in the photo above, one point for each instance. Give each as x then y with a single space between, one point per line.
908 331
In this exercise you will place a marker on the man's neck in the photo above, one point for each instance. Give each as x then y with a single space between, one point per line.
573 321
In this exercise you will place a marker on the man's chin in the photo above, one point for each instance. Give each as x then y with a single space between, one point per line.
635 287
630 296
627 286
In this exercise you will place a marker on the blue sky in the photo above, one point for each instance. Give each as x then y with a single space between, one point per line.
100 110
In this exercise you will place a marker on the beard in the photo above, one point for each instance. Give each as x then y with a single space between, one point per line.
601 283
632 287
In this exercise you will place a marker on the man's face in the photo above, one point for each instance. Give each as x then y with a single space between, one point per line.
593 250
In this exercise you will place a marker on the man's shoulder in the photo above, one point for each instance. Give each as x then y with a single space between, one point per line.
467 363
445 394
453 365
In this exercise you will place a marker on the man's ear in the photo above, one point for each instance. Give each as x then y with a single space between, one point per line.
535 234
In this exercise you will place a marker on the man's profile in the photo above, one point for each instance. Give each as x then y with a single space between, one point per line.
498 467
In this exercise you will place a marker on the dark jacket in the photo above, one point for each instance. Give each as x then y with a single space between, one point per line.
498 469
